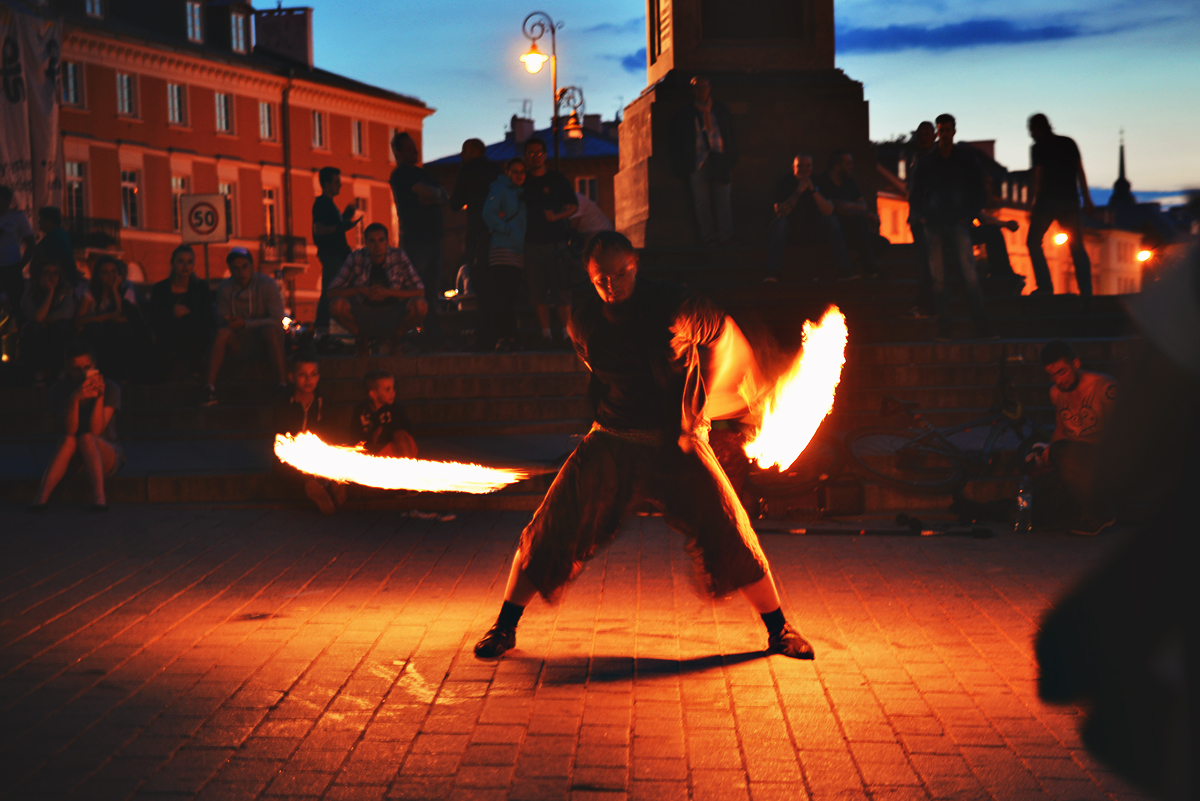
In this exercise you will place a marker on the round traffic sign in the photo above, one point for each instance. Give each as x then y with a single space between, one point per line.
203 218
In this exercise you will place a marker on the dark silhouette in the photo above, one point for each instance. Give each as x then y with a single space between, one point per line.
802 210
704 154
859 226
1058 179
16 250
108 317
551 201
181 314
506 217
419 199
48 308
924 140
377 293
329 235
475 178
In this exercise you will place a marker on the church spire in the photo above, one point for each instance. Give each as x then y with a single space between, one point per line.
1122 194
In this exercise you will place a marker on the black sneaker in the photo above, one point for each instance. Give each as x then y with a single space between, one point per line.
496 642
208 396
787 642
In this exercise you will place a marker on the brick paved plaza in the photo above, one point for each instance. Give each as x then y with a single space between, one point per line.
169 652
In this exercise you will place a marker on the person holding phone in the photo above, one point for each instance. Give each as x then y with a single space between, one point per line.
84 404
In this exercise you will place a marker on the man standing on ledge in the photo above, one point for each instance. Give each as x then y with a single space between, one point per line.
659 356
1058 177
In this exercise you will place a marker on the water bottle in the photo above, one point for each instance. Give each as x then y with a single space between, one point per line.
1024 507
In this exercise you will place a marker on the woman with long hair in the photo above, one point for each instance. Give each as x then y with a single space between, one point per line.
109 319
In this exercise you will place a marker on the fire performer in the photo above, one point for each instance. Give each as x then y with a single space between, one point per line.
661 359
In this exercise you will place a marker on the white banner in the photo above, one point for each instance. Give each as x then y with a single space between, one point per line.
30 151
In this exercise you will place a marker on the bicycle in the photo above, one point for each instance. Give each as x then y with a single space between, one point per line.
924 457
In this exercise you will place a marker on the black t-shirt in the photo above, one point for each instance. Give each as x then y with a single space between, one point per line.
329 246
550 191
805 207
471 190
375 427
1058 156
421 223
847 192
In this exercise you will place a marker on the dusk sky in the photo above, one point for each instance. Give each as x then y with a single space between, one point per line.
1093 66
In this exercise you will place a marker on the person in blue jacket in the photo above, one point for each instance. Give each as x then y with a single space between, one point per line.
505 215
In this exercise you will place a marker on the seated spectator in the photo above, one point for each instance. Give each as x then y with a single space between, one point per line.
84 404
506 216
859 226
181 314
377 294
49 310
379 424
248 304
109 318
1083 403
55 244
800 207
302 410
16 249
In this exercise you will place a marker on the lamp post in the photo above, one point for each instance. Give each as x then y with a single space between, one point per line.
572 98
535 26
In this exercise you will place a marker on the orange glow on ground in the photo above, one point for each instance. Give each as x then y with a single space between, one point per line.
803 395
308 454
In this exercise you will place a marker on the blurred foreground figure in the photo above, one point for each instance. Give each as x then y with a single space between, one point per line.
1123 643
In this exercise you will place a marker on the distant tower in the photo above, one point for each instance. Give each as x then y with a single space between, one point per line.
1121 194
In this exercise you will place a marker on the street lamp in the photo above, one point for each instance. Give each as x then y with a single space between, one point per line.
572 98
535 26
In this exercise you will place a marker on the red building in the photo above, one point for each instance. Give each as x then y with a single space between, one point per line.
174 97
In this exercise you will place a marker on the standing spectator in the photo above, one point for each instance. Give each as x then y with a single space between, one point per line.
302 410
859 226
16 249
948 193
377 294
109 318
506 217
419 199
799 204
704 154
49 310
329 235
551 201
247 301
84 404
924 141
1058 178
379 424
475 178
181 313
56 243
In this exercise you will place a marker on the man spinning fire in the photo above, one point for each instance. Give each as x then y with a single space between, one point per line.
663 362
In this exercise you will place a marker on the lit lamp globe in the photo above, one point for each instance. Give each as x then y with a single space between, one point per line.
572 127
534 59
1060 239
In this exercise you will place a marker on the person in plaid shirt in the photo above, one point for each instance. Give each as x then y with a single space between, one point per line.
377 294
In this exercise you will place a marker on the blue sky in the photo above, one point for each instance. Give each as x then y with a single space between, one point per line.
1094 66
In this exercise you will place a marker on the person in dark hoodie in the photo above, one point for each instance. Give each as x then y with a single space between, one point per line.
302 410
181 314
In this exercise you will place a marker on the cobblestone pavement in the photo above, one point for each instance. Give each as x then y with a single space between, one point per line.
221 653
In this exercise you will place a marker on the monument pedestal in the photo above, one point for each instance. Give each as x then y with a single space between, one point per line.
775 116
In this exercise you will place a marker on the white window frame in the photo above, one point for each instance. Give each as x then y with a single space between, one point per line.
237 32
127 105
391 153
75 180
320 137
195 21
131 206
94 8
584 184
229 190
179 188
177 104
270 201
223 109
266 121
72 84
358 137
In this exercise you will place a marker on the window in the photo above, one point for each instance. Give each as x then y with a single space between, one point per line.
357 139
391 153
230 193
176 104
73 197
178 190
360 203
270 225
224 112
94 8
130 212
126 95
237 32
195 33
318 130
72 83
266 120
586 186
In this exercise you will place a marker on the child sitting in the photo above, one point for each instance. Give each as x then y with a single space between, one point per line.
378 423
301 410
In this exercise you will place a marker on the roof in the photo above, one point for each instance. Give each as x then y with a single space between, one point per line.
592 146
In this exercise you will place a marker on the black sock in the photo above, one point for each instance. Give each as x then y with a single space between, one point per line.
510 615
774 621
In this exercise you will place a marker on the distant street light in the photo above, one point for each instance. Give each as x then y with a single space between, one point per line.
535 26
1144 255
534 60
572 98
1060 239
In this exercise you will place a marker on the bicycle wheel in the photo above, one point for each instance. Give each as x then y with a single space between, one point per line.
822 458
905 458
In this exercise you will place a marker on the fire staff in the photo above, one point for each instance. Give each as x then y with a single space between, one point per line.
663 363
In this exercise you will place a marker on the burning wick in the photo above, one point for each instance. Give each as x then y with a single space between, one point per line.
803 395
308 454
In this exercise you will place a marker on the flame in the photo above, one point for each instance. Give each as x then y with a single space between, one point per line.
287 321
803 395
308 454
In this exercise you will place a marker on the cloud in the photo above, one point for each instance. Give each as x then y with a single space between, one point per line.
971 33
634 62
634 25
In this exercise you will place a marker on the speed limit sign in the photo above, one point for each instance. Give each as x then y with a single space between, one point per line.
203 218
